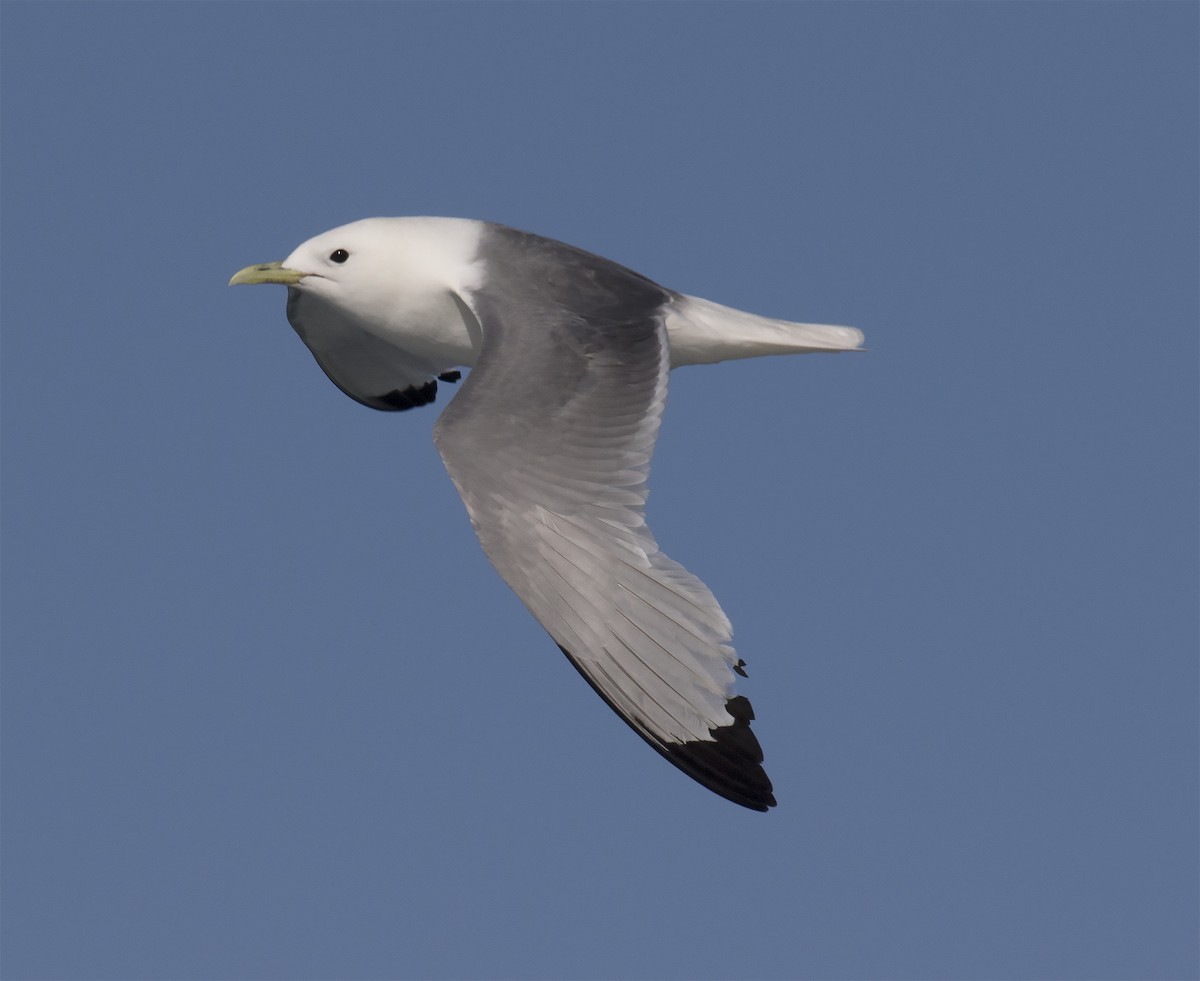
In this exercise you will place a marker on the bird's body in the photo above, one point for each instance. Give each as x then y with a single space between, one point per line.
549 442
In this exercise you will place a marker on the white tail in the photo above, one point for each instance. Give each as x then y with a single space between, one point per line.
702 332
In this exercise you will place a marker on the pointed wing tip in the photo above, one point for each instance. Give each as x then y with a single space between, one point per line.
398 400
729 764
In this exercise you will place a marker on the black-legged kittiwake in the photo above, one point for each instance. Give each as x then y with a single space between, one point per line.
549 443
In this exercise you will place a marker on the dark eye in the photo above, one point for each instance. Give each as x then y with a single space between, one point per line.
339 255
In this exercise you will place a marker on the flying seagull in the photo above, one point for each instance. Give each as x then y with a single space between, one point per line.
549 443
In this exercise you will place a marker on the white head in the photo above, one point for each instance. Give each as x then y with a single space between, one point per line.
396 278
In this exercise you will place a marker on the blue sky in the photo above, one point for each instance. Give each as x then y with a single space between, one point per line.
269 713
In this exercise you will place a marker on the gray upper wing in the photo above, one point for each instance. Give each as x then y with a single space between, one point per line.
549 443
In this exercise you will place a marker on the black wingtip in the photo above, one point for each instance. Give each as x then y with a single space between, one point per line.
410 398
729 764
